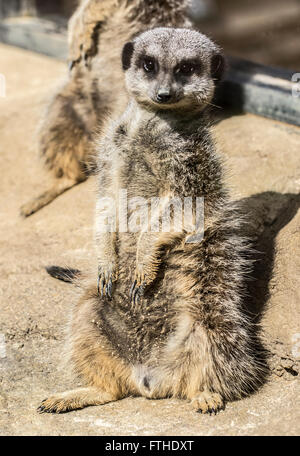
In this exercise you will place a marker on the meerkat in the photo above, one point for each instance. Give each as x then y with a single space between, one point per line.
167 317
97 31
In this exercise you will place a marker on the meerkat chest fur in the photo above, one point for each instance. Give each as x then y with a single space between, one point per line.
157 155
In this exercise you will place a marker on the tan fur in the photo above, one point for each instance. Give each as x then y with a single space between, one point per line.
82 27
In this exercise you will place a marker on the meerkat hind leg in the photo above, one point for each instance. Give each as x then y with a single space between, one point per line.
75 399
48 196
207 402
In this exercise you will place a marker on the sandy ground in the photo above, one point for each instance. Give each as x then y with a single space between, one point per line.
263 159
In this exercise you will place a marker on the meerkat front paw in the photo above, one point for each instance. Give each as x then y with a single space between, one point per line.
136 291
142 278
145 274
208 402
106 276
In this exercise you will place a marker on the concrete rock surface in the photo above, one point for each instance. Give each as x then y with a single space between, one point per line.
263 161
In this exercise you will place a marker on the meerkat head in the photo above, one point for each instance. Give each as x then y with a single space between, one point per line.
170 69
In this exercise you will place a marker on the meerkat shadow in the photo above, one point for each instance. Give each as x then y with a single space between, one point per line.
268 213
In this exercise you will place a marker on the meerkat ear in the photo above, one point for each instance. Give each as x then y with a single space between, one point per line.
126 55
218 67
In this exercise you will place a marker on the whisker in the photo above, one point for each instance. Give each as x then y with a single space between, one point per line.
215 106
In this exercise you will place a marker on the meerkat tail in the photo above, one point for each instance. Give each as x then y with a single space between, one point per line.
64 274
47 197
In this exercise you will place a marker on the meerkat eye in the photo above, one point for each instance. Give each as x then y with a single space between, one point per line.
149 64
185 69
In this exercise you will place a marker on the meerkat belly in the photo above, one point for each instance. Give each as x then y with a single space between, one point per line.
140 331
137 330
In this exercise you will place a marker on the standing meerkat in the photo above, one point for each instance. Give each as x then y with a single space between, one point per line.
97 31
168 318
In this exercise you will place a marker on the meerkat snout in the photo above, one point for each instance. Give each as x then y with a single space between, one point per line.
174 69
163 95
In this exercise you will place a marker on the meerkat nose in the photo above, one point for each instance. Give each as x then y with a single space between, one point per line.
163 95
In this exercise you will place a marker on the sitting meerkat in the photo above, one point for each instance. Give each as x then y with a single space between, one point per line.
167 318
95 86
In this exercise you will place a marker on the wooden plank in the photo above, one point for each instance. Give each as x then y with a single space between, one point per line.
269 92
38 35
17 7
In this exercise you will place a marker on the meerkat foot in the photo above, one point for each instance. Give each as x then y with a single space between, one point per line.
207 402
106 277
33 206
74 400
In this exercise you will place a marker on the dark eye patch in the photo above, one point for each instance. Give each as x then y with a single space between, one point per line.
126 55
187 68
148 64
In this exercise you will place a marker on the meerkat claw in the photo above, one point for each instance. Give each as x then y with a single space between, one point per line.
104 285
109 288
132 289
136 297
98 284
41 408
136 292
